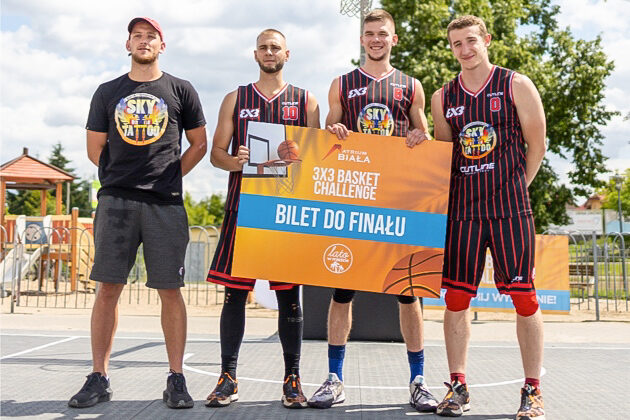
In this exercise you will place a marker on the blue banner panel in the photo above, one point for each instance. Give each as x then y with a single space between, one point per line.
490 298
342 220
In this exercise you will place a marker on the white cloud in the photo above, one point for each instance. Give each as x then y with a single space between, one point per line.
51 65
594 15
609 19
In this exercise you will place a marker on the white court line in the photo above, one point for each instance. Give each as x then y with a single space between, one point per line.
54 343
240 378
265 339
357 410
543 371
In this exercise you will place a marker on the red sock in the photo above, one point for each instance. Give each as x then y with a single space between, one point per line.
533 382
459 377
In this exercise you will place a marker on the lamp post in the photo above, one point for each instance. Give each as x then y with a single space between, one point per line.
618 183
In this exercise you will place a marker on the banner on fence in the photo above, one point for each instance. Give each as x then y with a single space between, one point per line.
367 213
552 280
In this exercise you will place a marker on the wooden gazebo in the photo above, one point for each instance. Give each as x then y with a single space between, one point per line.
27 173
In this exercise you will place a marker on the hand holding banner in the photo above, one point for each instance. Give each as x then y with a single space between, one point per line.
367 213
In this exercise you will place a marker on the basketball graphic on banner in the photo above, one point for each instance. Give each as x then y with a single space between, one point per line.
288 150
421 270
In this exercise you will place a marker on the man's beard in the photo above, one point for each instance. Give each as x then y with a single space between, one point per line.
381 58
271 70
144 59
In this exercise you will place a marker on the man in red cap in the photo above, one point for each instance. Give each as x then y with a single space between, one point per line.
134 133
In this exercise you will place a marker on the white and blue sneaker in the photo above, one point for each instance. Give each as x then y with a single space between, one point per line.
331 392
421 398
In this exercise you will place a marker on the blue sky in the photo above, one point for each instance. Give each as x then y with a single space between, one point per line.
55 54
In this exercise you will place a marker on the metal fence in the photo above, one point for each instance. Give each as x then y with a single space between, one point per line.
598 270
50 269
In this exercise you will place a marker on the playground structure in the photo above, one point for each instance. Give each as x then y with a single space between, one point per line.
56 251
48 248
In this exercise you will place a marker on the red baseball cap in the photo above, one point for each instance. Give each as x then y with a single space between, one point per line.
148 20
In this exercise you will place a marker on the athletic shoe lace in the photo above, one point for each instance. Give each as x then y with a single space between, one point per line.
326 388
451 392
526 399
92 380
224 387
417 392
178 382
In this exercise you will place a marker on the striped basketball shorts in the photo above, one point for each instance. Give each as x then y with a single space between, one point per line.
221 267
512 245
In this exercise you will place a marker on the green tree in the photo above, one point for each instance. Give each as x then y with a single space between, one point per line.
206 212
568 72
27 202
611 196
79 189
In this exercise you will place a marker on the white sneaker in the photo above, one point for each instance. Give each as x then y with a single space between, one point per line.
331 392
421 398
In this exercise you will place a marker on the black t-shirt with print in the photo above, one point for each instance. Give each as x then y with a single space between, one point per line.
144 123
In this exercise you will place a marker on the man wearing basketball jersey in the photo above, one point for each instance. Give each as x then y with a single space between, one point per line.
496 120
376 99
270 100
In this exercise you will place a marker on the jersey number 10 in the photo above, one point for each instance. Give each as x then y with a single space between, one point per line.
290 112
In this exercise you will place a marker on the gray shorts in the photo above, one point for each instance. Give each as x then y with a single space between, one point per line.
121 225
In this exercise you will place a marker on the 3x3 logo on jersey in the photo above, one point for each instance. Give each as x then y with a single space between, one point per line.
353 93
454 112
249 113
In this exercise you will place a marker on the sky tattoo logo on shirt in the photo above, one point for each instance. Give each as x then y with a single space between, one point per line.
376 118
141 118
477 139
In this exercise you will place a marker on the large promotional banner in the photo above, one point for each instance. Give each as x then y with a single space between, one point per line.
366 213
552 280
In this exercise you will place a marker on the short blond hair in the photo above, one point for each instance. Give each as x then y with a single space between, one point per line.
379 15
465 22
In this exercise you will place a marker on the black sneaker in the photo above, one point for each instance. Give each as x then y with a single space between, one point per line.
292 395
95 390
176 395
455 402
224 393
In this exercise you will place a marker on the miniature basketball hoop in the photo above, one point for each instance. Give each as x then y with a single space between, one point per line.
354 8
280 171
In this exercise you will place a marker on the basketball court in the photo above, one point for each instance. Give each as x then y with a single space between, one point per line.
586 366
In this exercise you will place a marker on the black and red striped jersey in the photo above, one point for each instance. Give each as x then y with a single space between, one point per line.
376 105
488 169
287 107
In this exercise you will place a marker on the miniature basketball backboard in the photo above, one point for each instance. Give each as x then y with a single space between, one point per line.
263 140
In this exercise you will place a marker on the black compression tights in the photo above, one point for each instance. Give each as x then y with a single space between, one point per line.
290 325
